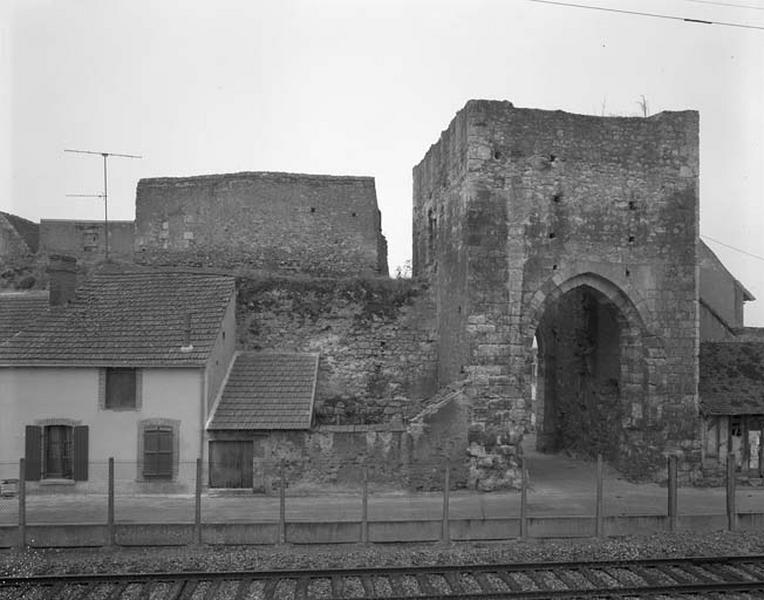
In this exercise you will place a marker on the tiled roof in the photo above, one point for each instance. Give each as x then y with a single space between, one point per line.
131 319
268 391
731 378
19 309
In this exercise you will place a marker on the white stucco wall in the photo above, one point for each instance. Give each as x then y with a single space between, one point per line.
28 395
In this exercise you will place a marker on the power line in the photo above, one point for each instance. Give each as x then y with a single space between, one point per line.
646 14
731 4
710 239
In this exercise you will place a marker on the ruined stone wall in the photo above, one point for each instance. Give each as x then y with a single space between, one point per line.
329 455
13 245
551 201
276 222
375 338
84 240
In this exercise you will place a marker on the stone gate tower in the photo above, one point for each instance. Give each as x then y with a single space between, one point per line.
574 237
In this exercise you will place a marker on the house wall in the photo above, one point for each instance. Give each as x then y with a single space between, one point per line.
720 292
221 357
29 395
712 328
284 222
513 207
84 240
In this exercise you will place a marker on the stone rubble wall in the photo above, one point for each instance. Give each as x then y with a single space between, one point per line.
375 337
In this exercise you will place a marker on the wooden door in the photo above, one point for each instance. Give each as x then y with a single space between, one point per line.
231 464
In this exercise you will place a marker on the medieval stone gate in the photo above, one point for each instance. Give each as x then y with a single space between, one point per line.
580 231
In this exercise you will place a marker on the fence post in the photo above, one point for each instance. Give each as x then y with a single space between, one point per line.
365 507
282 505
731 483
198 503
598 512
110 505
672 493
22 504
523 499
445 534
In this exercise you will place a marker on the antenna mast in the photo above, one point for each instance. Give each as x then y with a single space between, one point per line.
105 194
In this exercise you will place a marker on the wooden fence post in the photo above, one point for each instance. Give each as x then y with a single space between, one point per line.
282 505
523 500
598 516
198 503
672 493
365 507
110 505
731 484
445 534
22 504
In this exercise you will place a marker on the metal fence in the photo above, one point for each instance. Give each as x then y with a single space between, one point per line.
126 492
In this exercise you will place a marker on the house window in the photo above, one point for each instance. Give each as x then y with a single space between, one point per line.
56 450
120 389
158 449
157 452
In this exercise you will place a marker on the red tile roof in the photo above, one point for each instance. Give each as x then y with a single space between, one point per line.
731 378
19 309
268 391
131 319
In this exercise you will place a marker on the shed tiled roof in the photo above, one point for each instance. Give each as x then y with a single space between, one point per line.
131 319
268 391
19 309
731 378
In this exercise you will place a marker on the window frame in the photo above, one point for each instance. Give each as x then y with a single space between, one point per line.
171 426
37 437
103 378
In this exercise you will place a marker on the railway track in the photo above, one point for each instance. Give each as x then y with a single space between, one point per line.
713 577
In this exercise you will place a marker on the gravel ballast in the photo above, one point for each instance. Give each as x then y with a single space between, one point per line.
233 558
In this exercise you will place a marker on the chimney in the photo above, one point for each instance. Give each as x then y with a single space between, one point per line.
62 271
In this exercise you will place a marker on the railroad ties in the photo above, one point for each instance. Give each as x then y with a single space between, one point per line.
722 577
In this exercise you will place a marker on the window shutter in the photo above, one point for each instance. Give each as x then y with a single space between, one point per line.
33 453
80 453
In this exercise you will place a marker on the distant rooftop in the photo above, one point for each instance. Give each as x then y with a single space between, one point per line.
732 378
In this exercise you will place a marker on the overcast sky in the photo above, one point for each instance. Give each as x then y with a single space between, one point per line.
360 88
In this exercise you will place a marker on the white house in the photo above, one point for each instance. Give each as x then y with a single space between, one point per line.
128 368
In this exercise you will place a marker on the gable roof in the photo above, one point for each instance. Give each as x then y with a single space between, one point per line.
129 319
731 378
19 309
27 230
267 391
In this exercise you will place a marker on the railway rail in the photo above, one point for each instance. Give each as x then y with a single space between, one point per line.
708 577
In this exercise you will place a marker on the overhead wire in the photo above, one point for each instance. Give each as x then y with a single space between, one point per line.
730 4
647 14
710 239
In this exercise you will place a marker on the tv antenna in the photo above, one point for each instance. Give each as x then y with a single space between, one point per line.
105 194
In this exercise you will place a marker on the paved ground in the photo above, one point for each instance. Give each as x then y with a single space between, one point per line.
560 486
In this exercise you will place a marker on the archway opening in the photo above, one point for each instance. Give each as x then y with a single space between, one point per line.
581 366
